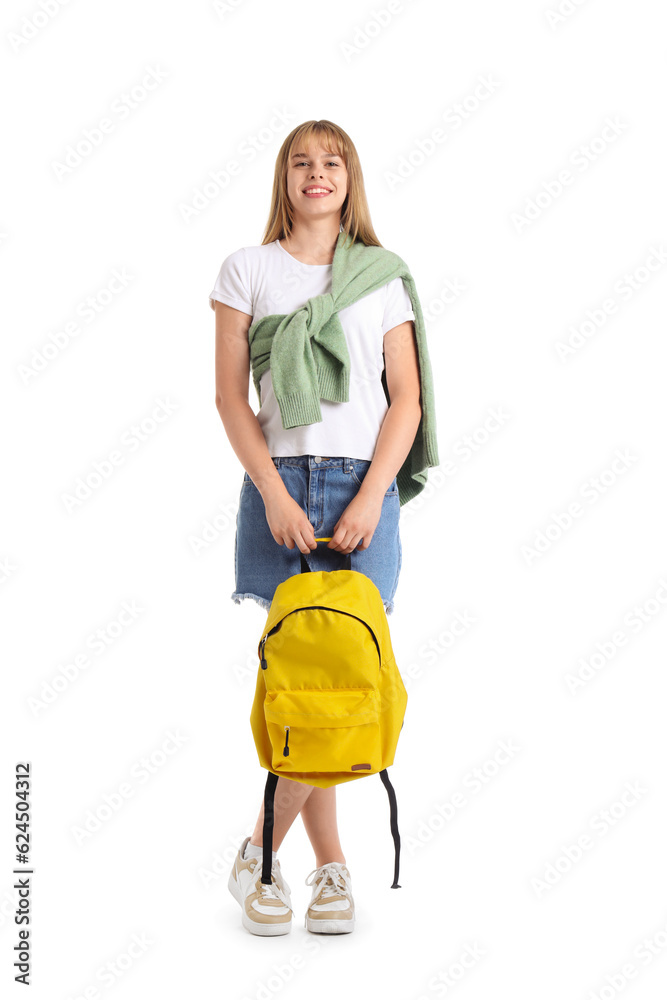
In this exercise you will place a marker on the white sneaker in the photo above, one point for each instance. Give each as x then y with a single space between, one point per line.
331 909
265 909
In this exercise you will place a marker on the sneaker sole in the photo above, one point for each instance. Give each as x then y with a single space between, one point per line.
334 926
263 930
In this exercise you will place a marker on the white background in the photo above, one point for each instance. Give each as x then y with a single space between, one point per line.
185 662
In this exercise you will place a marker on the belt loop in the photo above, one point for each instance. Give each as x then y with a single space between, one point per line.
276 462
347 465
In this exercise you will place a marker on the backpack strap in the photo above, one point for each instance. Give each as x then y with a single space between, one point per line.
267 829
393 820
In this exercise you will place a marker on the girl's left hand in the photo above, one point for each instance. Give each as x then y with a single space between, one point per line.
356 525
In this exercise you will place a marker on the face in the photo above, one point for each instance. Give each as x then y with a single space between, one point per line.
315 168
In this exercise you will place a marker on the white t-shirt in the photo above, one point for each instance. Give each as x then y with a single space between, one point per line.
263 280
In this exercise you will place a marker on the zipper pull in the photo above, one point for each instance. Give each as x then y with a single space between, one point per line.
286 748
263 640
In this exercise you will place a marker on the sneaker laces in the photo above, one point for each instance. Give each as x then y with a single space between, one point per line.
331 880
272 891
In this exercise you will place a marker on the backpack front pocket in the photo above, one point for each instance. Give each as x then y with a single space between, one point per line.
316 730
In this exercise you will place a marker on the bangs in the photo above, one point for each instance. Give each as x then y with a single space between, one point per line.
313 133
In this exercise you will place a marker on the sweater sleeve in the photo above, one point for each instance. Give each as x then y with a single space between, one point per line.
398 307
232 286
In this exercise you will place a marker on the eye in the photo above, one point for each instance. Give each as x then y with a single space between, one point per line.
332 162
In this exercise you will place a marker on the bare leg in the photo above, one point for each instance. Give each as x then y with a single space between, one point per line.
318 813
289 799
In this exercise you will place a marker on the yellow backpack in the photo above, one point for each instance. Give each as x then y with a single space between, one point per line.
329 700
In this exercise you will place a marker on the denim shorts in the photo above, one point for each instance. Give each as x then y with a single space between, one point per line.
323 487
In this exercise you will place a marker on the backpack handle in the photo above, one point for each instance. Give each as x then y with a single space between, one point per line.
305 568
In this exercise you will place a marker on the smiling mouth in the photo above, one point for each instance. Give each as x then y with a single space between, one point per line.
317 192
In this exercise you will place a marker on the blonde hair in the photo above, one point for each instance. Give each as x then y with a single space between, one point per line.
355 216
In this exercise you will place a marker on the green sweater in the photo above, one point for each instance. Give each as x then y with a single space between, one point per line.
309 360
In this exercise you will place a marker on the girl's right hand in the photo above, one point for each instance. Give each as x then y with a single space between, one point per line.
288 523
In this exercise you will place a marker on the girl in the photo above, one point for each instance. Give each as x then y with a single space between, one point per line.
335 477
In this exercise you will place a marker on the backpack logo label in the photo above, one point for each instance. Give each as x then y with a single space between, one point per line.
360 767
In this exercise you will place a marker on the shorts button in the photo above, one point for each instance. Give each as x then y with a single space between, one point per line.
318 458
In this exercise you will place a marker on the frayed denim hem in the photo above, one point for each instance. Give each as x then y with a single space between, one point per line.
262 601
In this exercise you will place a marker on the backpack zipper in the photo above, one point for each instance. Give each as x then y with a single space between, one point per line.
313 607
286 748
263 641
